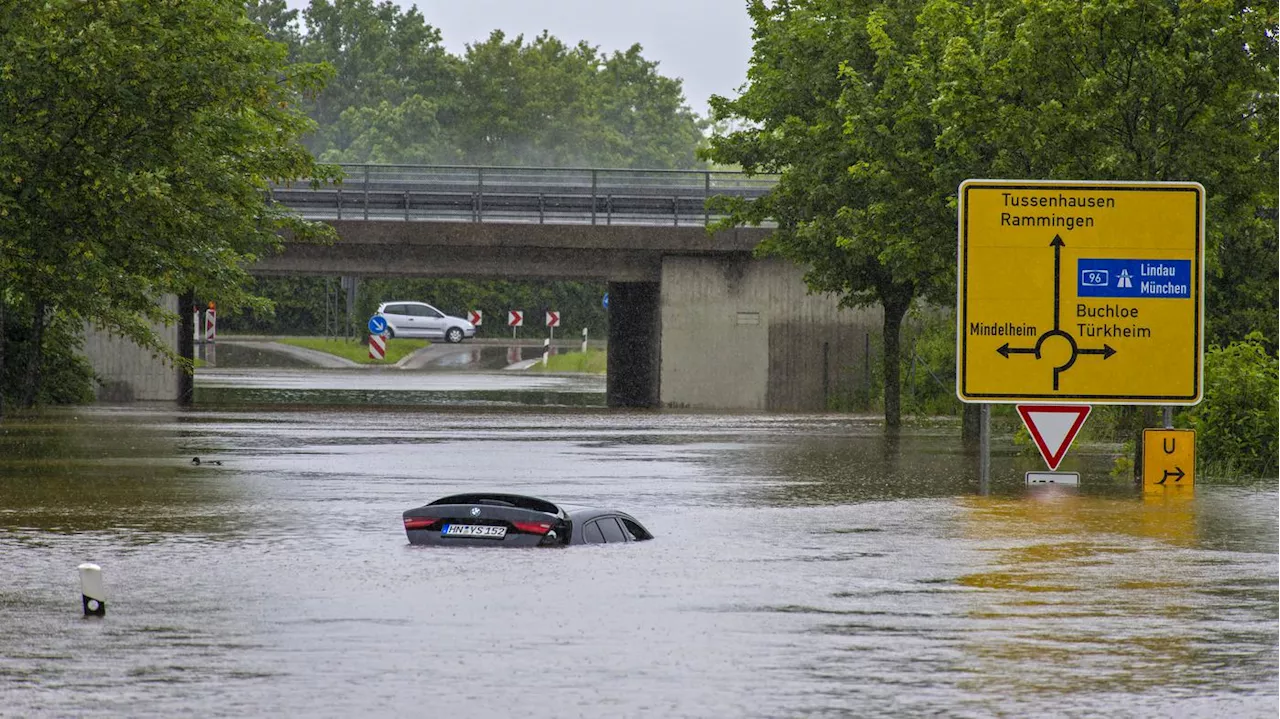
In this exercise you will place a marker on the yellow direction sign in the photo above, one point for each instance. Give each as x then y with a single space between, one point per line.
1080 292
1168 458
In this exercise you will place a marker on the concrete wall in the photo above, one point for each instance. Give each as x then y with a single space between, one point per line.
742 333
130 373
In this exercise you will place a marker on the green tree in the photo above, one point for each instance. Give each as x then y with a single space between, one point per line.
1137 90
137 142
547 103
383 57
838 102
533 104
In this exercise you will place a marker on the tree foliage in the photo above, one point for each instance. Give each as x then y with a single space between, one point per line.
137 141
874 112
1237 429
399 97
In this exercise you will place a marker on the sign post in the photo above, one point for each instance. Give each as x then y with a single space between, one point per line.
553 321
515 318
377 337
1076 293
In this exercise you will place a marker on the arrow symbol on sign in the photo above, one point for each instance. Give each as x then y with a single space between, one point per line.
1057 246
1177 475
1006 350
1106 351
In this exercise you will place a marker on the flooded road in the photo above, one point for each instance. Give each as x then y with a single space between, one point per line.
803 566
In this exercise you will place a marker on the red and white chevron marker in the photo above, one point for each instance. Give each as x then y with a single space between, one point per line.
211 323
515 318
553 318
377 347
475 317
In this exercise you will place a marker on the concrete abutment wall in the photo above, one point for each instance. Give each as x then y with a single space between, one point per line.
129 373
744 333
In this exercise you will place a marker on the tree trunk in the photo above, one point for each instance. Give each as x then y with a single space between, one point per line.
894 311
31 387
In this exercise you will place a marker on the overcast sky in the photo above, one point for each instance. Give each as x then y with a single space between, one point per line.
705 43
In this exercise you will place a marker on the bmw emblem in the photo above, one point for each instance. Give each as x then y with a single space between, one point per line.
475 511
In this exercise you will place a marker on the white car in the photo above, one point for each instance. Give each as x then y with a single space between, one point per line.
419 319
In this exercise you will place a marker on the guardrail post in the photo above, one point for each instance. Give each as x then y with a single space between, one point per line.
480 195
366 191
675 210
541 211
706 198
608 207
339 203
593 197
406 205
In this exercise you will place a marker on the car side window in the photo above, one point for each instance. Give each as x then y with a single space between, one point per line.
633 530
432 312
393 310
420 311
611 531
592 534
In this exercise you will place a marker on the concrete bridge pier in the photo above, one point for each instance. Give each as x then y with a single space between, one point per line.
635 344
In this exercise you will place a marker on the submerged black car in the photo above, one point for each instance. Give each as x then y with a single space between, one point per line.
511 520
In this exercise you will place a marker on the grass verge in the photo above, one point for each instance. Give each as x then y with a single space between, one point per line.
355 350
594 362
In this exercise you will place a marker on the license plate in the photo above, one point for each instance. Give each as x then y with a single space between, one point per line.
473 530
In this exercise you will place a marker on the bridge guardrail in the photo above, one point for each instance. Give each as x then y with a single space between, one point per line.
520 194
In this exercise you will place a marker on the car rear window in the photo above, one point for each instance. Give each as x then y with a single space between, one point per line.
634 532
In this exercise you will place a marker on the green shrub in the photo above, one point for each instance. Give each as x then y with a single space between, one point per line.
1237 424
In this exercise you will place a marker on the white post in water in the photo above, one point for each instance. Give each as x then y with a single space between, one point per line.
546 350
92 596
584 340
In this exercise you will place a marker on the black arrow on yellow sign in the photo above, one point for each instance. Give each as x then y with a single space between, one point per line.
1177 475
1106 350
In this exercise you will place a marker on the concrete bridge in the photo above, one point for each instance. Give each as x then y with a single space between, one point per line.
695 319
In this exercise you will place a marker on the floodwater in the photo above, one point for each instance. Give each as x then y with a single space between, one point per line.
803 566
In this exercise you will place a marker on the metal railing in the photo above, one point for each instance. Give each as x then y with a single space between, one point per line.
522 194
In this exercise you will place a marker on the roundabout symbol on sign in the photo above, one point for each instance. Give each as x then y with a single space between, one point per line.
1106 351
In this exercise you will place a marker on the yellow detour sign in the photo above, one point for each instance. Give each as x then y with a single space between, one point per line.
1168 458
1080 292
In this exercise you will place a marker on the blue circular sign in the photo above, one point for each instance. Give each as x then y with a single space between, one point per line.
605 302
377 324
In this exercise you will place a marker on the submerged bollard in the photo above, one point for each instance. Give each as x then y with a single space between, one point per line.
92 595
546 350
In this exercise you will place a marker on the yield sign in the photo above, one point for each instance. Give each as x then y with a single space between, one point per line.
1053 426
553 319
515 318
